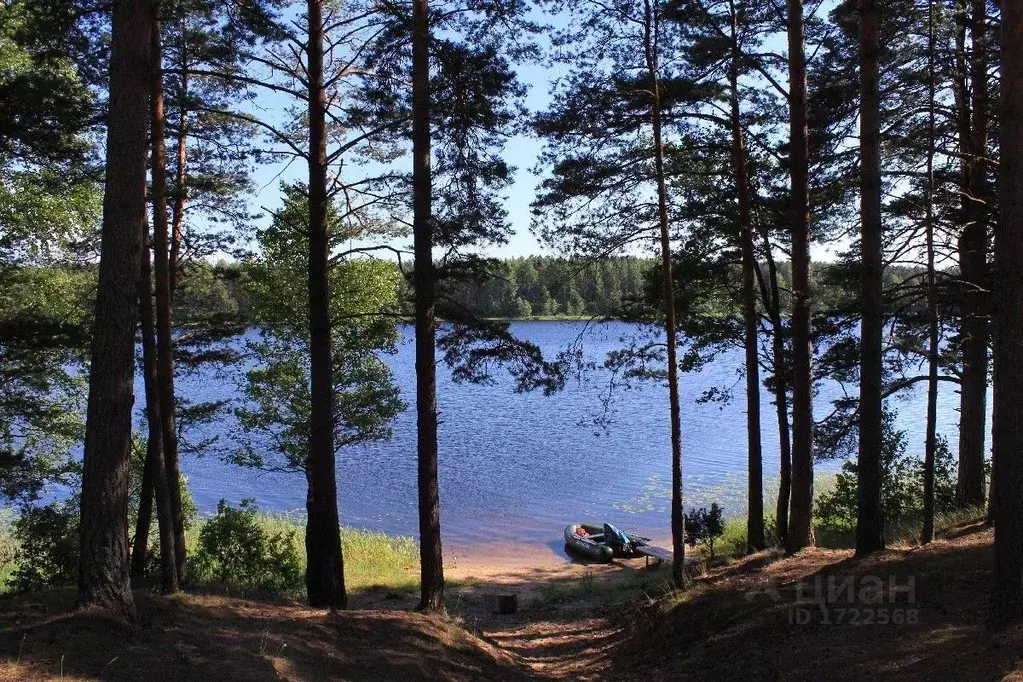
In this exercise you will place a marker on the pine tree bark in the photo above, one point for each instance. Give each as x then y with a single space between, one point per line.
991 501
431 551
781 404
973 249
164 330
325 585
678 545
1007 592
180 176
931 428
755 539
144 522
869 518
154 476
800 532
103 578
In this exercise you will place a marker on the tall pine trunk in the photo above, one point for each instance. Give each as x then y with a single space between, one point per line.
755 539
154 475
1007 593
144 521
431 551
931 437
678 545
180 174
178 207
772 299
103 577
325 584
801 506
164 330
869 518
973 248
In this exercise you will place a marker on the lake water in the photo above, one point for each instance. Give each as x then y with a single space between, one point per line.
518 467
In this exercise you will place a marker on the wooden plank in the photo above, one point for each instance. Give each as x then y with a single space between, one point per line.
654 552
693 565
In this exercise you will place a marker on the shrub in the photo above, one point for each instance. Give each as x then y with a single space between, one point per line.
705 526
234 549
47 546
902 488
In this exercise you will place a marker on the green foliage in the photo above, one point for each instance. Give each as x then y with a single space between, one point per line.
43 103
235 549
48 205
540 286
47 546
44 337
210 293
704 526
274 421
901 490
39 545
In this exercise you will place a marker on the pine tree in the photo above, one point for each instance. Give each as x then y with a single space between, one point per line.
869 521
800 532
103 580
1007 592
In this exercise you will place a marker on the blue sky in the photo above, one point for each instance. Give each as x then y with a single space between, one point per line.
521 152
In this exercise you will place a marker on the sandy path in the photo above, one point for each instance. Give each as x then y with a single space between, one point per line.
563 629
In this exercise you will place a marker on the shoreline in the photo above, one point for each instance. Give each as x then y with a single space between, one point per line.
519 560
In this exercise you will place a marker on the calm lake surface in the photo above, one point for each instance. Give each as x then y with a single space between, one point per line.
518 467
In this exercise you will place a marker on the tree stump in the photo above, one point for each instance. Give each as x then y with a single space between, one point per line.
507 604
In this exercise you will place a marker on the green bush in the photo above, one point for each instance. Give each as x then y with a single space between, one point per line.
47 546
902 489
234 549
705 526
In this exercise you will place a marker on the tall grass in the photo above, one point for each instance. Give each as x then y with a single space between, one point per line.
372 560
378 560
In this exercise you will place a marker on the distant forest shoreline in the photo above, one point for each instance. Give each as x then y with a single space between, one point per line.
531 288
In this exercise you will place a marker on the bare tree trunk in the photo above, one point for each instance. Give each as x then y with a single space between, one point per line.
781 393
755 539
973 248
991 501
931 438
431 551
155 474
801 508
180 181
678 545
870 519
325 582
144 522
164 332
1007 592
103 577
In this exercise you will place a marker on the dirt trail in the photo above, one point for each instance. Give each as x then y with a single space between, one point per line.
565 627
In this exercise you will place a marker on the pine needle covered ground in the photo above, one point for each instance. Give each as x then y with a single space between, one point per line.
737 622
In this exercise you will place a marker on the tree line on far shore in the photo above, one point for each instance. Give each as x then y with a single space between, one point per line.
217 293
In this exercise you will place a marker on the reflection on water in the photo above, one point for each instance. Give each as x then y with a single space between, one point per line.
518 467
